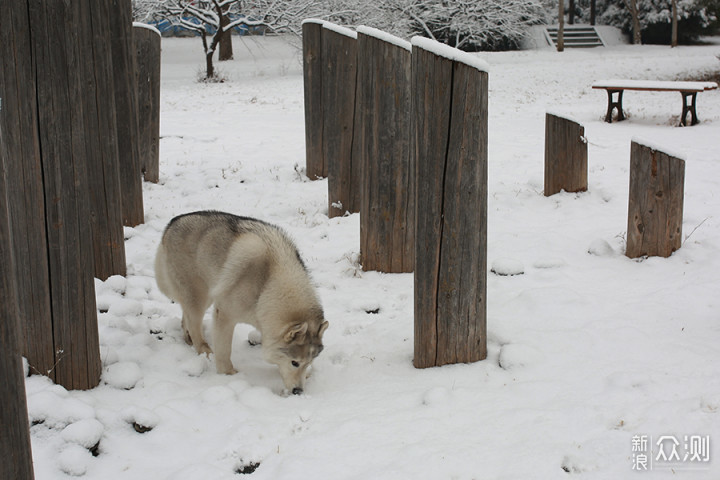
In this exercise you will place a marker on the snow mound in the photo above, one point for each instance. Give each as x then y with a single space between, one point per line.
141 419
56 411
74 460
601 248
123 375
507 267
85 433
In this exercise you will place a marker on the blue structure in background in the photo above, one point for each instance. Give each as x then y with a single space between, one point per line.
169 29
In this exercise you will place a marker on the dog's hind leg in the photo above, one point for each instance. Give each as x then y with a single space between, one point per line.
192 328
223 328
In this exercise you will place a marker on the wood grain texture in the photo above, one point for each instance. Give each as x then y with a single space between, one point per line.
98 92
387 210
15 434
126 108
60 56
316 166
339 98
25 192
655 207
147 78
450 147
566 160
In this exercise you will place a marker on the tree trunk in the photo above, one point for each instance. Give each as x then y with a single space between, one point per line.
592 12
571 12
561 26
637 32
674 39
226 51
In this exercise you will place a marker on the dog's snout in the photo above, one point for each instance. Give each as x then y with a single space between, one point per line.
297 391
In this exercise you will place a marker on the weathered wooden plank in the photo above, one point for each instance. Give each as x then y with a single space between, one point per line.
59 54
126 104
450 104
566 161
99 89
18 122
387 208
655 207
147 60
339 85
15 434
316 166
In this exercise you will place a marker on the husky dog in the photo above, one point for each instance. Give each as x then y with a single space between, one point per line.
252 273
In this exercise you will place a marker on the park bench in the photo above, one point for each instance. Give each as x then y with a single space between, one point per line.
688 90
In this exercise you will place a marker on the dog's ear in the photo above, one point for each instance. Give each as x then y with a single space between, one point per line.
323 326
296 332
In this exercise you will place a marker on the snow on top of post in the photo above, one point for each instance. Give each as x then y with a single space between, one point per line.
314 20
654 146
333 27
145 25
451 53
384 36
558 114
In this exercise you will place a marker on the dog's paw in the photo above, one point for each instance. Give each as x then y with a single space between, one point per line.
226 370
204 348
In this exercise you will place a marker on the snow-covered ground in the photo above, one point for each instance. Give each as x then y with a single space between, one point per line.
587 348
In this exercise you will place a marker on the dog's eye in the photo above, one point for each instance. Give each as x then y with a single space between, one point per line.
295 364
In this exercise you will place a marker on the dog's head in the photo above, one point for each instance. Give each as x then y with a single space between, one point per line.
294 352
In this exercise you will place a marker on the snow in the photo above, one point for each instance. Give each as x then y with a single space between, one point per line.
339 29
655 85
445 51
658 147
384 36
586 348
145 25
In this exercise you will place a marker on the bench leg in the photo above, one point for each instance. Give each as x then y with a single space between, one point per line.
688 108
612 104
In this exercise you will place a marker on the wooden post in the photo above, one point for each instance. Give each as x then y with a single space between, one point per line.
15 433
312 82
100 132
339 47
59 56
387 210
146 40
128 132
21 150
450 112
655 209
566 164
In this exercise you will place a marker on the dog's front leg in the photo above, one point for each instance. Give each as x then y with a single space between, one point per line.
223 328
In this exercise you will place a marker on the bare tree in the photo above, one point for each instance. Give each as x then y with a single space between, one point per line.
632 5
205 17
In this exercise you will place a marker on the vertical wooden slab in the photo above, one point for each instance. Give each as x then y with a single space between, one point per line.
98 88
387 210
312 83
128 131
146 40
450 136
59 54
21 149
566 162
655 207
15 435
339 47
